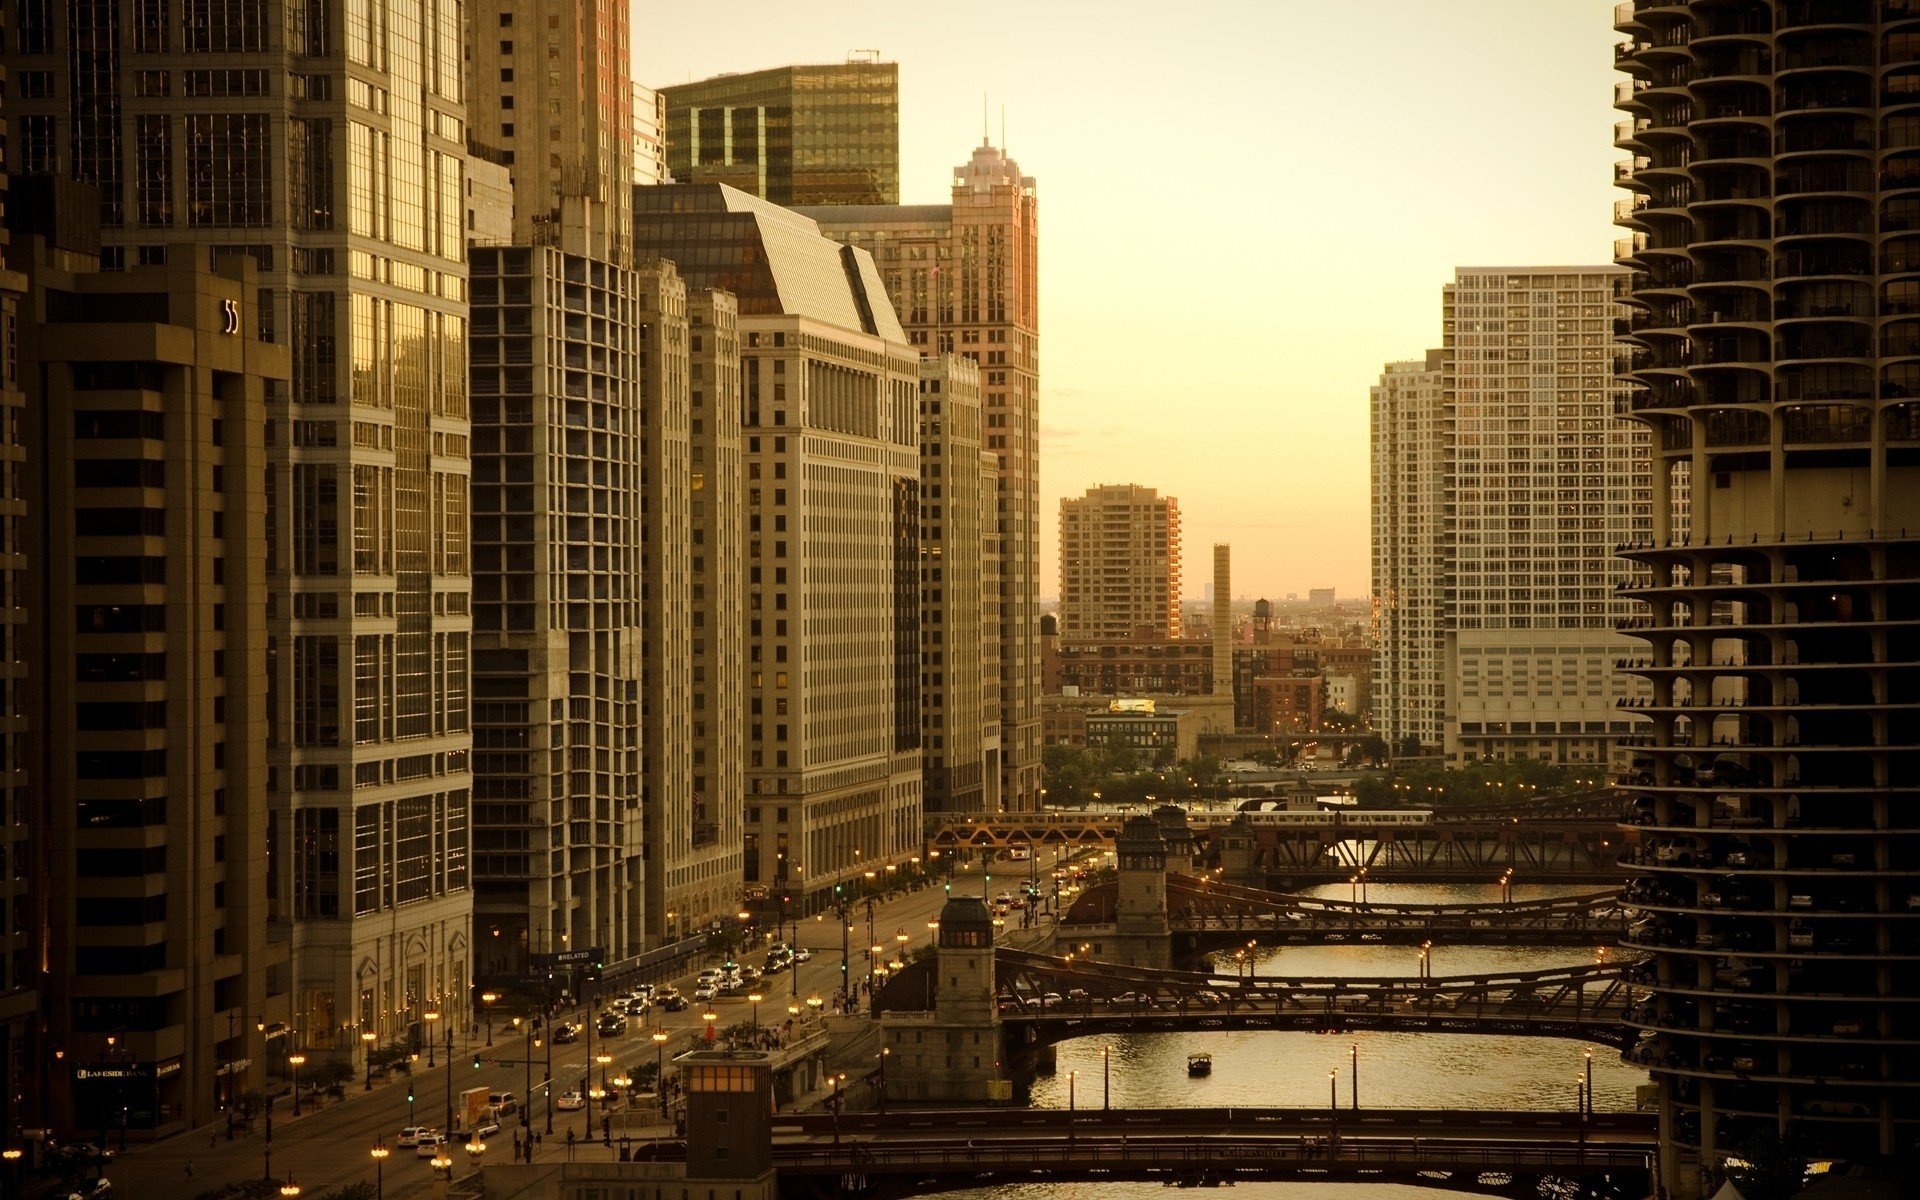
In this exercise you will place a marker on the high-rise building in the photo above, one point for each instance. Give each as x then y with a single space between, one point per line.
829 395
826 134
553 89
557 605
953 735
146 455
1409 466
964 279
649 136
1119 564
1775 319
331 153
19 994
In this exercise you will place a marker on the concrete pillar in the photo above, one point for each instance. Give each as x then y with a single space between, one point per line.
1238 854
1181 850
955 1054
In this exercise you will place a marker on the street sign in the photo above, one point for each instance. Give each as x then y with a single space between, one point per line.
591 956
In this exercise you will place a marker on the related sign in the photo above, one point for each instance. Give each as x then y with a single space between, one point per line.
113 1071
573 958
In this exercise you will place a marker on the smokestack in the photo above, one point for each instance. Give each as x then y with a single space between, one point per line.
1222 619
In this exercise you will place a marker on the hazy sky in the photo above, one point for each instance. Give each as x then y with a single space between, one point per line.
1245 209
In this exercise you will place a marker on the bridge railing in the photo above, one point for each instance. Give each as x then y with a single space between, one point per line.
1235 1119
1213 1154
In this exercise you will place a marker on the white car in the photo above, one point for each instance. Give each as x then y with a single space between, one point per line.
706 991
570 1102
410 1136
806 955
429 1145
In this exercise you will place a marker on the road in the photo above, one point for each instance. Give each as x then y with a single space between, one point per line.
329 1146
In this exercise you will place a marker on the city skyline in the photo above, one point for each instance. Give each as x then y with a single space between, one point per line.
1401 195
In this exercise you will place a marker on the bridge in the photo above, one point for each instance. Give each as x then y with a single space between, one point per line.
1042 999
1209 913
889 1154
1403 845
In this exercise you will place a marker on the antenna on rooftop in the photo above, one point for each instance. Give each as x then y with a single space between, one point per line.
872 56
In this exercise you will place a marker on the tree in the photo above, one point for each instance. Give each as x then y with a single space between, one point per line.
1770 1167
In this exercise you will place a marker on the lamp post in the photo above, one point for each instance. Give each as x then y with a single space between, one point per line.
660 1067
449 1057
296 1061
367 1039
1333 1092
1106 1078
379 1153
441 1164
289 1189
546 1079
756 998
1589 1057
933 934
430 1016
886 1052
12 1156
1355 1089
710 1017
1073 1077
837 1081
487 999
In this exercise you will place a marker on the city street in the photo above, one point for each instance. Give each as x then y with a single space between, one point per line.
328 1145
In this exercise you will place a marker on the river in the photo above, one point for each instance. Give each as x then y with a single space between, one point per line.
1396 1070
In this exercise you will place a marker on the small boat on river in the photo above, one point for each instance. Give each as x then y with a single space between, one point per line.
1199 1064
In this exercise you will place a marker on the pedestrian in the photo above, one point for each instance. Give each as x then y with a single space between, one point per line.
189 1168
212 1140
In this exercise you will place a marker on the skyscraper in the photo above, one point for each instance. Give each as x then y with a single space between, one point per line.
1119 564
1775 319
829 392
964 279
958 747
552 87
825 134
331 153
1502 478
148 670
1409 468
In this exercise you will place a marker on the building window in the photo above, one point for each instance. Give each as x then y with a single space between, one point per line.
229 176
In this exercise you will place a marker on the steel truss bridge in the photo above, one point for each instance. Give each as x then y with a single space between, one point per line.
1449 848
1045 999
1205 914
1516 1154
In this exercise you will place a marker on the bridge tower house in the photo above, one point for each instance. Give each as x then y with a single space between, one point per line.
1182 851
953 1052
1238 857
1140 934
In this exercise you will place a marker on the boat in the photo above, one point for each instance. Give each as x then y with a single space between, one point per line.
1199 1064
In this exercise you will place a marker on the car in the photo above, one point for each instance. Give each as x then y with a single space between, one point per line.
487 1128
748 975
1019 902
675 1003
99 1189
733 986
1077 995
1047 998
711 975
565 1033
429 1145
410 1136
503 1103
570 1102
806 955
612 1024
86 1151
705 991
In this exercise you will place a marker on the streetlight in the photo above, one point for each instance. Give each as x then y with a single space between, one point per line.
12 1155
710 1017
755 998
441 1164
1589 1057
1106 1078
1355 1052
431 1015
296 1061
487 998
933 934
379 1153
837 1081
289 1189
1072 1078
660 1066
368 1038
597 1093
886 1052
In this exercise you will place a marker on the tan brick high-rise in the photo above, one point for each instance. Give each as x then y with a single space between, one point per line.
1119 564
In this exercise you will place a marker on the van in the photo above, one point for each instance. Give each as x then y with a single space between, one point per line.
503 1103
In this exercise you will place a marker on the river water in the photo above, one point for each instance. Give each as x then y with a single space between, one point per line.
1396 1070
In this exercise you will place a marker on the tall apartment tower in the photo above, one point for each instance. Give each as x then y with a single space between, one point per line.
829 395
19 994
264 133
1222 620
964 279
553 89
816 134
1775 318
146 459
1409 461
953 736
705 877
1541 481
557 605
1119 564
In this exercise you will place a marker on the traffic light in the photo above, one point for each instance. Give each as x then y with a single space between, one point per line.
476 1061
409 1095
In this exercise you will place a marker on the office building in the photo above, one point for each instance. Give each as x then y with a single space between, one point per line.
19 921
1119 565
557 567
552 88
1774 268
829 392
825 134
1408 423
262 134
954 738
1499 586
649 136
964 279
146 457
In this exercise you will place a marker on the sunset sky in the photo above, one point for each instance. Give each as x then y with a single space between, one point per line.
1246 208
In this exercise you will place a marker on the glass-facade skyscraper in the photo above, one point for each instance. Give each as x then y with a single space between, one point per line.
827 134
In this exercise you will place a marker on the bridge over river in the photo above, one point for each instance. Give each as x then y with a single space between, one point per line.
901 1153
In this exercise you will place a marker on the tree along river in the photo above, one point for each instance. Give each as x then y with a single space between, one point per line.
1397 1070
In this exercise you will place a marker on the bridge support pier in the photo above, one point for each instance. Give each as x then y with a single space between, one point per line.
1140 935
953 1054
1237 854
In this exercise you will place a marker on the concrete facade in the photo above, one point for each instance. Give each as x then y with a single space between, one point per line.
1119 565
